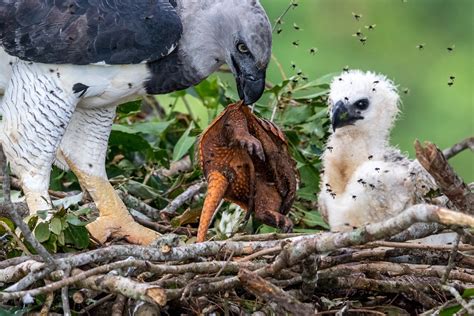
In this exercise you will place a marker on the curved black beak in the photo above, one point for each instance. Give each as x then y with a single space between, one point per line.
343 115
250 79
251 87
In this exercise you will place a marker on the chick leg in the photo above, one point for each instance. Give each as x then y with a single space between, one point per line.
83 149
217 185
36 110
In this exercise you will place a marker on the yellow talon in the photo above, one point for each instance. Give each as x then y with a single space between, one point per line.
114 219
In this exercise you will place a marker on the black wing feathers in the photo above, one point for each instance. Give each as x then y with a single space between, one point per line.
89 31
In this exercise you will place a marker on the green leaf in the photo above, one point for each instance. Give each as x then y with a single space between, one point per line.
311 96
297 115
265 229
208 92
15 311
61 239
129 107
32 220
449 311
313 219
50 244
307 193
278 88
152 128
468 293
77 235
55 225
128 141
42 232
9 223
184 143
141 190
74 220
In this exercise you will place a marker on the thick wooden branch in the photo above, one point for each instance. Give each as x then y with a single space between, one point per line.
259 287
433 160
124 286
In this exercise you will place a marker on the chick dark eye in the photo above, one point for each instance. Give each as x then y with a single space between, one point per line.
362 104
242 48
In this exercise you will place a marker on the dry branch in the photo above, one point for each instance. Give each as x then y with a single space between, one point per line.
391 269
180 200
119 305
433 160
457 148
124 286
273 294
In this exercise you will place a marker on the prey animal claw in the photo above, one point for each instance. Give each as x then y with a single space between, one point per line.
253 146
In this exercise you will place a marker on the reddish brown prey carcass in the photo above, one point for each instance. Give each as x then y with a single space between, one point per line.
246 161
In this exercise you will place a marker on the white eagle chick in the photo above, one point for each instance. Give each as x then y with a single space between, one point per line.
365 180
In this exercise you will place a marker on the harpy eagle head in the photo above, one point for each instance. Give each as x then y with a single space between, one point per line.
235 32
363 101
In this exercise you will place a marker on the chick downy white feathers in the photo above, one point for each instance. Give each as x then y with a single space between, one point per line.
366 180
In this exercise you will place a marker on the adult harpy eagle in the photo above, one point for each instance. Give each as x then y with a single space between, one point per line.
366 180
66 65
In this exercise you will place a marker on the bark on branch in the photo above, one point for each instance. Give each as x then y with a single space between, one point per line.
260 287
433 160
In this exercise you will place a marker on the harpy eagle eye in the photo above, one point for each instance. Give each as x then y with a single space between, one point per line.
242 48
362 104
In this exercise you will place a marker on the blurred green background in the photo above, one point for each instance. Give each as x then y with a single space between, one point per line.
431 109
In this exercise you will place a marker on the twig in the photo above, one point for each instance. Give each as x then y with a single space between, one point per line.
279 20
65 296
432 159
263 252
225 265
264 237
6 177
15 237
417 246
176 167
459 298
188 107
124 286
96 303
180 200
119 305
309 274
47 304
452 259
163 229
20 208
132 202
457 148
14 182
396 269
415 287
280 67
417 231
271 293
13 215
